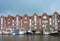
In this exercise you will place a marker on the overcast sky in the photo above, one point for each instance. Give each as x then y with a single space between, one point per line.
13 7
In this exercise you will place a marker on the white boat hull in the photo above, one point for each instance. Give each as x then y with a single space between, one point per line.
46 32
22 32
0 32
30 31
13 33
5 32
37 32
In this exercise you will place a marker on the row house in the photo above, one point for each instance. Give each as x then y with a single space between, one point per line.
34 22
39 23
58 22
8 27
26 22
18 22
55 22
1 23
47 23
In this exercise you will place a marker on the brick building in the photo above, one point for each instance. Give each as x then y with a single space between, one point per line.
46 23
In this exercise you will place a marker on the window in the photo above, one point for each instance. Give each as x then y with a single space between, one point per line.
30 22
1 20
35 27
17 21
43 25
50 23
25 18
8 22
50 20
45 21
25 21
35 19
39 22
32 25
13 22
8 18
58 20
44 17
1 23
53 21
21 22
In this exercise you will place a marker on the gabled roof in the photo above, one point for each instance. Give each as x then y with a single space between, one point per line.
35 14
18 15
25 14
55 13
44 14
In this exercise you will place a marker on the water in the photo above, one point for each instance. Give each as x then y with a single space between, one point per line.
29 38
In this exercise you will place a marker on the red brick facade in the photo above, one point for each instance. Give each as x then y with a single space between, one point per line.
37 23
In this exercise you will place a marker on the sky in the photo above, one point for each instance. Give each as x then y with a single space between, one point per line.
21 7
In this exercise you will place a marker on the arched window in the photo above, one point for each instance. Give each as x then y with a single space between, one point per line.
44 17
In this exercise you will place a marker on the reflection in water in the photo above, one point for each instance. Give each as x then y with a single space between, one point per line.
46 37
0 37
29 38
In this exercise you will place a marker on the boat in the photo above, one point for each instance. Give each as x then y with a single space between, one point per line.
29 32
37 32
22 32
46 32
53 32
15 32
8 31
5 32
0 32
